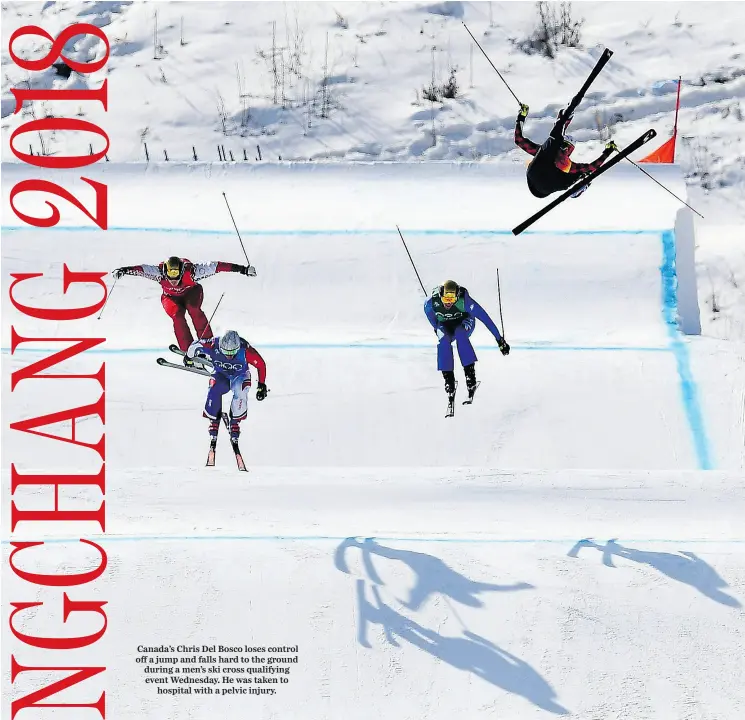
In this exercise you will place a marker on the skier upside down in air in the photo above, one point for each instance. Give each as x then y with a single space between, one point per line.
551 168
452 312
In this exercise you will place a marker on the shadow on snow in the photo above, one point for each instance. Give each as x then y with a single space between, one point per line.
468 652
685 567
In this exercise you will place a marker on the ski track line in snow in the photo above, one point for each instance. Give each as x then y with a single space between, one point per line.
688 388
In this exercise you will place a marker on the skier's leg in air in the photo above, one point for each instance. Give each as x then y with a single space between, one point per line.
465 350
240 385
445 360
174 308
193 301
219 385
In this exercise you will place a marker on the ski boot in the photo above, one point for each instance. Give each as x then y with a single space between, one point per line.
470 372
581 190
189 362
471 382
235 430
449 376
450 386
214 427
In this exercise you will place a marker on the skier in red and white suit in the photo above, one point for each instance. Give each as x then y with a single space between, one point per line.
179 279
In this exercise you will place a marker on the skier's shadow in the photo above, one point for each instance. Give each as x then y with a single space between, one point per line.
469 652
432 575
685 567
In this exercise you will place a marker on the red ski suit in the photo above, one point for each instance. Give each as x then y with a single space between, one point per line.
186 296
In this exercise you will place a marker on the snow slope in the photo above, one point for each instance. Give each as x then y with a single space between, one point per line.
476 599
498 576
337 311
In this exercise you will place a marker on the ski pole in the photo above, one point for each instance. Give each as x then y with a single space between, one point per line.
491 63
209 322
412 261
108 295
236 229
499 295
638 167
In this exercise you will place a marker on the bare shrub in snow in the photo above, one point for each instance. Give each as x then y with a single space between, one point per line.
555 28
431 93
450 88
222 113
341 21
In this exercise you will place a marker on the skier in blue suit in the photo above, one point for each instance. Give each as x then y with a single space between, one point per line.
452 312
230 356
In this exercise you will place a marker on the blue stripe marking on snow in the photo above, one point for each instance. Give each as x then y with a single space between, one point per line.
342 231
380 538
688 389
366 346
679 349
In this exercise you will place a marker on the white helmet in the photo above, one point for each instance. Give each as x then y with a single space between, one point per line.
230 343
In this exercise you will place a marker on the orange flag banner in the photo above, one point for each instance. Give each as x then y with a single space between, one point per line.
663 154
666 152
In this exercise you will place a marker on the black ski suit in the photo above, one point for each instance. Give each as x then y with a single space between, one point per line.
544 176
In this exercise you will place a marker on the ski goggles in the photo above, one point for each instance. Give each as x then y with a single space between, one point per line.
449 298
174 273
564 163
230 353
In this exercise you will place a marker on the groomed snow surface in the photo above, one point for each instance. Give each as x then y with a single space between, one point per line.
481 566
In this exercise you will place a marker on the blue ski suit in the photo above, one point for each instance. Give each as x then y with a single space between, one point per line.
457 323
229 374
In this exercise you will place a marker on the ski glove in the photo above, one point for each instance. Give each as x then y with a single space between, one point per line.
120 271
612 146
503 347
523 111
468 324
247 270
261 391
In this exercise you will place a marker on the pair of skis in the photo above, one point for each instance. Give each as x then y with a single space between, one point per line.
233 442
581 185
451 399
202 366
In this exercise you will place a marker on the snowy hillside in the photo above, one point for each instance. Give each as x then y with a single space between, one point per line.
325 81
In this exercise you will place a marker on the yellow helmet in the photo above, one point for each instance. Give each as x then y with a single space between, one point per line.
449 291
173 268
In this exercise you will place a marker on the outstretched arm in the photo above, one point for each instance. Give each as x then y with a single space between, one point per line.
480 314
521 141
584 168
253 358
200 271
150 272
